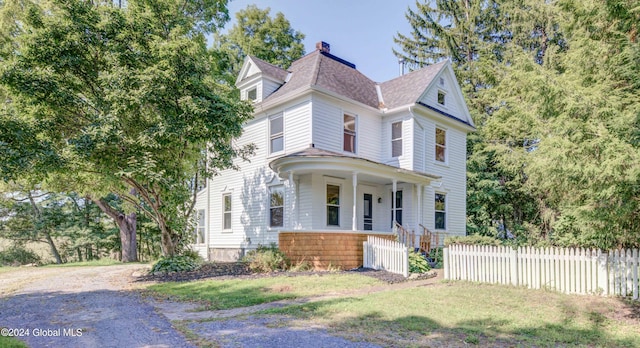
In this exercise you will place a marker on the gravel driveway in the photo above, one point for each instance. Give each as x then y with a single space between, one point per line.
82 307
98 307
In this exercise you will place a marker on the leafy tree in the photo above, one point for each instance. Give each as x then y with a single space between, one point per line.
557 112
258 34
126 100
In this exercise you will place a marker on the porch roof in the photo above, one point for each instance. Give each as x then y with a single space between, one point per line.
314 159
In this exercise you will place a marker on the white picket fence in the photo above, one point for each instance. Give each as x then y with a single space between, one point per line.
568 270
384 254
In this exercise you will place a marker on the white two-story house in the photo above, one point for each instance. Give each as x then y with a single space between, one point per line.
336 151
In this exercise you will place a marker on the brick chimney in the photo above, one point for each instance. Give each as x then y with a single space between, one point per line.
323 47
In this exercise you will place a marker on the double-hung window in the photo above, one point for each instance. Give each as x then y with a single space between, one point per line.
226 212
396 209
349 138
276 206
276 134
396 139
441 211
200 227
333 205
441 145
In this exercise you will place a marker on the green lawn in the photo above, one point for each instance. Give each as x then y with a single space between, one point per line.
440 314
456 314
10 342
225 294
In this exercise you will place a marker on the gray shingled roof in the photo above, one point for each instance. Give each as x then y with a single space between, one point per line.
323 70
318 69
269 69
406 89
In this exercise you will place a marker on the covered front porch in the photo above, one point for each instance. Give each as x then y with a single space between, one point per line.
335 200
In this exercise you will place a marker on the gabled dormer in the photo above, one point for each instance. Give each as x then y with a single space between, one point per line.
258 79
443 95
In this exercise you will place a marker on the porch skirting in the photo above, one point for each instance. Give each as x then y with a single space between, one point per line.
326 250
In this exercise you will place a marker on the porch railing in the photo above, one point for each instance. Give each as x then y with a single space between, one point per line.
424 241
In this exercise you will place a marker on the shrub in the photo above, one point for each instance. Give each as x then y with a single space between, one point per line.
18 255
179 263
437 256
473 239
417 263
266 259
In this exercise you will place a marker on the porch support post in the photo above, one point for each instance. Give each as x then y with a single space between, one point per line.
419 205
354 218
293 200
394 188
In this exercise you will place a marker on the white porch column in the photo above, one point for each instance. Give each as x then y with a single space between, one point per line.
394 188
354 218
293 202
419 205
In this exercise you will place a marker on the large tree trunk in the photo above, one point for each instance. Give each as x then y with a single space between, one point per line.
169 240
53 248
38 216
127 226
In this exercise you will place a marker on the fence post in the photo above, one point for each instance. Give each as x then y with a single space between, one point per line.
514 266
603 274
406 262
446 263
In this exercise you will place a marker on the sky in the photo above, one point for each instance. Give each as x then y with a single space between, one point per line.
359 31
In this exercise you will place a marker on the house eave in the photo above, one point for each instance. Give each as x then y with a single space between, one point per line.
346 163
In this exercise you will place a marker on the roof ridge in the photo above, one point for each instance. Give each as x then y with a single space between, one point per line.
413 72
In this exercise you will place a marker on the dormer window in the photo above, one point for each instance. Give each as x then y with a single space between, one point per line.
441 97
252 94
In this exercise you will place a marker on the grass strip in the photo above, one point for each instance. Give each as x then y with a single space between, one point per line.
235 293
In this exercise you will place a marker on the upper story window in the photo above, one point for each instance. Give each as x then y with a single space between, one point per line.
441 97
276 206
226 212
396 139
349 134
200 227
440 211
276 134
441 145
252 94
333 205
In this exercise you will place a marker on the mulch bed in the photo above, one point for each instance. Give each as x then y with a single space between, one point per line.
238 270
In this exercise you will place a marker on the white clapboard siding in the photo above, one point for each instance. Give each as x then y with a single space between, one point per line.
384 254
567 270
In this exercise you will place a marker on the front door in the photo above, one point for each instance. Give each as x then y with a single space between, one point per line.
368 212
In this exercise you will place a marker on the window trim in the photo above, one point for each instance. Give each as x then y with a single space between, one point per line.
397 139
444 146
394 208
327 205
225 212
435 211
200 213
345 132
444 98
252 89
271 189
271 136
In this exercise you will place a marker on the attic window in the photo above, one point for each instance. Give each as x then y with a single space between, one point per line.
441 81
441 96
252 94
